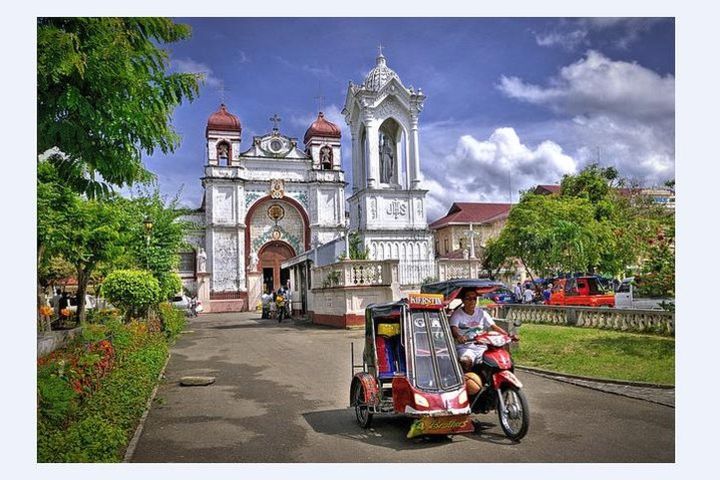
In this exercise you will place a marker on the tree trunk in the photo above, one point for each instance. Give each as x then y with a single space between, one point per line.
83 275
527 270
44 324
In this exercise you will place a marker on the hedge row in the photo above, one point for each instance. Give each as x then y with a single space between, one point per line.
98 426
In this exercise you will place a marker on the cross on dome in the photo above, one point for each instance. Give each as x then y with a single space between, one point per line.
276 122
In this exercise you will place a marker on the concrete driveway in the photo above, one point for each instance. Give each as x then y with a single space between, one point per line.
281 395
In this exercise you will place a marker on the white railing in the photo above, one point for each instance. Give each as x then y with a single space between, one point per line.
449 269
355 273
413 272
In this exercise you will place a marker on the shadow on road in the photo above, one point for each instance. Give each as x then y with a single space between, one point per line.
390 431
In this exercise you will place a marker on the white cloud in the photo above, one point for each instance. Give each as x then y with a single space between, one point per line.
567 40
595 85
491 170
570 34
188 65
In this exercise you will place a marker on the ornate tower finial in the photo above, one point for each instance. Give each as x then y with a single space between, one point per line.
380 47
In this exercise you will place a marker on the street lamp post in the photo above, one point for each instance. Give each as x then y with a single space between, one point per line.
148 224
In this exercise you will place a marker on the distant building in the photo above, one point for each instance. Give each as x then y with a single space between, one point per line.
660 195
453 237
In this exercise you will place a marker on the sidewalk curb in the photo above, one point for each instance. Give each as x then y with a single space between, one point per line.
659 386
141 424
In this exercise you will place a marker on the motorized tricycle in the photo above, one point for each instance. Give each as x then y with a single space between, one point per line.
496 386
410 367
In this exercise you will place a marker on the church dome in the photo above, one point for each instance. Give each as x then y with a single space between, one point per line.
224 121
379 75
322 128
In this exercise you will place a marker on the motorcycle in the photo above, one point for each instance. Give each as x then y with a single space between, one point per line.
280 309
501 389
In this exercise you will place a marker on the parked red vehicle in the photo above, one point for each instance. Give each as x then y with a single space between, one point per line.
580 291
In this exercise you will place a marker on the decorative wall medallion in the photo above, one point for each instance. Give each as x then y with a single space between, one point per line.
276 234
277 188
276 212
276 146
396 209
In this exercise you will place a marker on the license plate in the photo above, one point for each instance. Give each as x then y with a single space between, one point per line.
441 425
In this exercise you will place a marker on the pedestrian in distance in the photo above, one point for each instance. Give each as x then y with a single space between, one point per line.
547 292
528 294
518 293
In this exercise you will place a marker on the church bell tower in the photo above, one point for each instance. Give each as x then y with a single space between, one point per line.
387 206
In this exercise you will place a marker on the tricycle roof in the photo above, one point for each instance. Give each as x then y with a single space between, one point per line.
447 287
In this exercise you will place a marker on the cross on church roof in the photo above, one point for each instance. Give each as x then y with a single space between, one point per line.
276 121
321 102
380 47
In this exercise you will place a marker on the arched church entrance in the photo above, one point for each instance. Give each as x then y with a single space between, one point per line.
271 255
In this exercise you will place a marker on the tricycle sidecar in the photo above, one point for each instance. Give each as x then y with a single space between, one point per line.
410 367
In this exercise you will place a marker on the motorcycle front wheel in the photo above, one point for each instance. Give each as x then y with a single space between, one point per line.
515 417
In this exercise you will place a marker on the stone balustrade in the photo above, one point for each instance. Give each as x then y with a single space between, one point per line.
450 268
629 320
341 291
355 273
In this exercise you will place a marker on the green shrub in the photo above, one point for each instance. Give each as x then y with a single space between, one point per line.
133 291
105 421
173 320
57 401
170 284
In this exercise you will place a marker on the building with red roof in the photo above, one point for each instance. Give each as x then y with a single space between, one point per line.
453 231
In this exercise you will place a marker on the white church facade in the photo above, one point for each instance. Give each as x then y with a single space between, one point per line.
263 205
275 211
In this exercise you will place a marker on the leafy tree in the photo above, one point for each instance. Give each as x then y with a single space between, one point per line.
548 233
589 227
357 249
105 97
157 249
133 291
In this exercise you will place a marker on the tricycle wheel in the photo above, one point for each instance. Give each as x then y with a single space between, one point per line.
362 413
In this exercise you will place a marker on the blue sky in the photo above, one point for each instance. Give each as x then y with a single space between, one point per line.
511 102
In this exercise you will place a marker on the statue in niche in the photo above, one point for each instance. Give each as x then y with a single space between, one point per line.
202 261
326 157
254 260
222 151
387 162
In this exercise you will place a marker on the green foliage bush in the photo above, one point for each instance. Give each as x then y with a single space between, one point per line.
99 428
133 291
170 284
173 320
57 401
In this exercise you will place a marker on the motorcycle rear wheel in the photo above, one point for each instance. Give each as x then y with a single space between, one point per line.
515 418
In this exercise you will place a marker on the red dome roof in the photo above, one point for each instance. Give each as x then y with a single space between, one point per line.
224 121
322 128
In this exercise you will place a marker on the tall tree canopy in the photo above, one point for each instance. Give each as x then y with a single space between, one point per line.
105 97
591 226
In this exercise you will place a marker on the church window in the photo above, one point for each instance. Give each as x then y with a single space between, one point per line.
462 243
445 244
187 263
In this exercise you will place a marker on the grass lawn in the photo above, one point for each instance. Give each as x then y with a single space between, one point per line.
597 353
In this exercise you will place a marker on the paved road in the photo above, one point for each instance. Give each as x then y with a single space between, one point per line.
281 395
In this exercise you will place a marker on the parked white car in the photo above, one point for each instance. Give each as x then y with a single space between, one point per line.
180 301
89 303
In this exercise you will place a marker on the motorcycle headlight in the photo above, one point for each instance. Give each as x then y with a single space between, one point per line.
420 400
